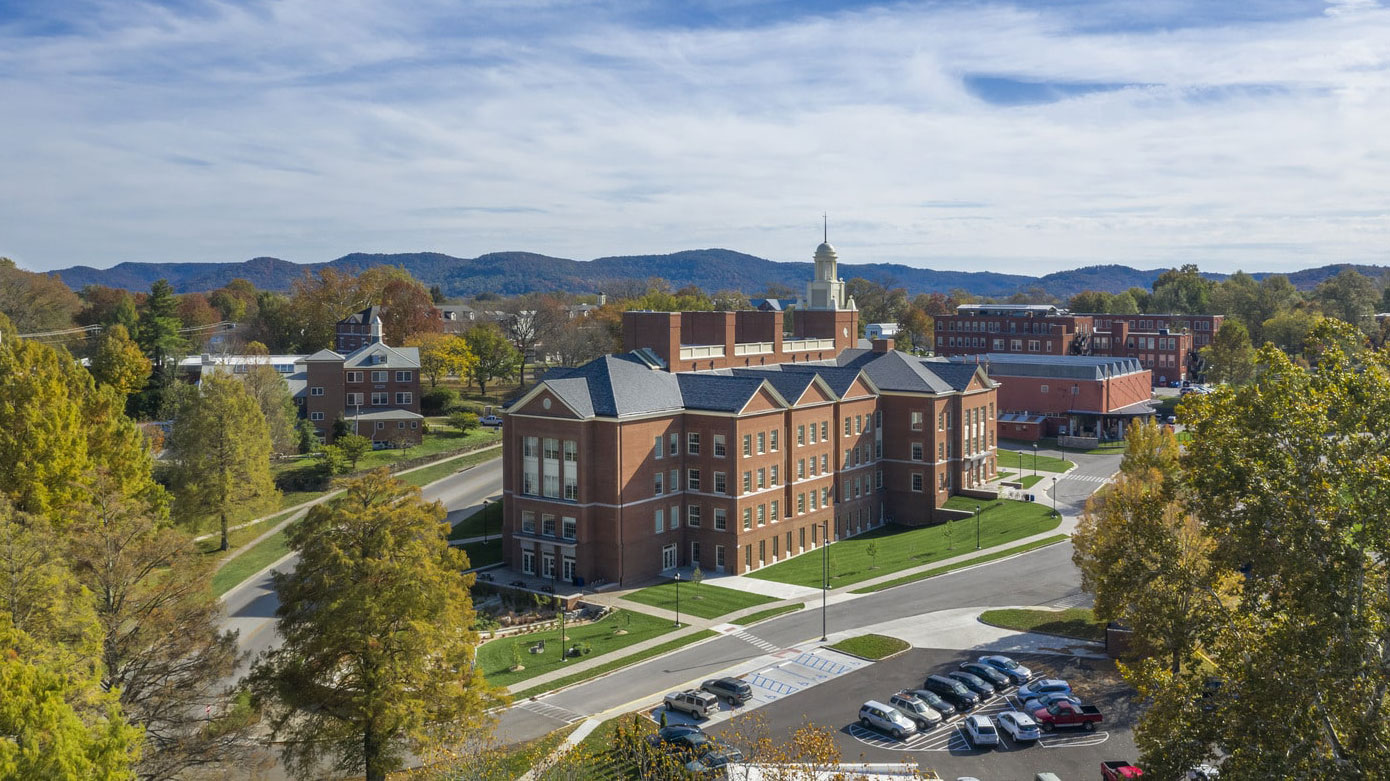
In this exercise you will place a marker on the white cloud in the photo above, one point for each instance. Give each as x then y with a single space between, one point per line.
307 129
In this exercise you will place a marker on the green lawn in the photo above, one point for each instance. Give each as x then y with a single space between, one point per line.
238 538
630 659
993 556
481 554
1076 622
763 615
1023 462
1028 481
705 601
495 656
265 553
473 525
428 474
1002 521
871 646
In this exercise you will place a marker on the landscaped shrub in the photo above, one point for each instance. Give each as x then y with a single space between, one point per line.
438 401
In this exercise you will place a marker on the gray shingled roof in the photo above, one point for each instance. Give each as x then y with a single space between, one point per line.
895 371
615 385
366 316
395 357
1071 367
323 355
790 385
715 392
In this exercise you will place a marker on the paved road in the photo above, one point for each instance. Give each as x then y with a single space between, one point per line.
251 606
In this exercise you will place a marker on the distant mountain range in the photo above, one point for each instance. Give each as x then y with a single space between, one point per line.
513 273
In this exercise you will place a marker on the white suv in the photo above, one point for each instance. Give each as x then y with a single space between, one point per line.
697 703
981 731
882 717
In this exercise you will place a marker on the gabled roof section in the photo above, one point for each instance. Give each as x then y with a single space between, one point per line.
895 371
612 386
959 375
382 356
790 386
366 316
716 392
322 355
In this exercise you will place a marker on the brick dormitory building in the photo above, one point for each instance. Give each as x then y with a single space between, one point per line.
1167 345
374 387
719 441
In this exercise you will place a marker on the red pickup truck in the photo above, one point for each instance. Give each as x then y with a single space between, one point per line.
1115 770
1068 714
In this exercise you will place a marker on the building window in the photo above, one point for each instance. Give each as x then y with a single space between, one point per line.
378 376
380 399
762 442
692 479
568 528
659 449
692 515
547 524
354 376
315 416
772 479
813 433
801 434
1032 345
916 421
762 478
916 451
747 445
404 399
773 444
720 483
917 482
773 512
801 469
675 516
719 557
692 443
403 376
1042 389
658 480
528 562
528 522
878 478
815 505
748 482
849 424
824 431
718 445
721 519
674 444
825 463
659 516
762 515
354 399
801 504
747 518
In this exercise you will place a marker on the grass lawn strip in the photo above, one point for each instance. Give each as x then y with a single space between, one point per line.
473 525
993 556
630 659
517 760
1023 462
495 656
238 537
762 615
1030 480
1077 622
705 601
1002 521
481 554
265 553
873 647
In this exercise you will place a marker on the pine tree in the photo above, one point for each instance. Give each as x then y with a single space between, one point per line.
220 447
377 658
272 394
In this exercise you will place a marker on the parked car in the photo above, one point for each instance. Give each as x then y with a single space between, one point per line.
1020 726
992 676
876 715
735 691
952 691
1203 772
489 420
1016 672
1042 701
712 757
1066 714
1046 776
981 731
680 736
973 682
1043 686
935 702
920 713
697 703
1115 770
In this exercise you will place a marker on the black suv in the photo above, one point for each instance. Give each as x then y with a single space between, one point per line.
998 680
951 691
732 689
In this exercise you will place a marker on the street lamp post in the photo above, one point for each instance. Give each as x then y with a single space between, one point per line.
1035 458
1054 497
977 527
678 600
564 654
484 522
824 573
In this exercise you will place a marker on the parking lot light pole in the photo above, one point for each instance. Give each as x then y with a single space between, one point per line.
1054 497
484 522
824 573
977 527
678 600
564 654
1035 458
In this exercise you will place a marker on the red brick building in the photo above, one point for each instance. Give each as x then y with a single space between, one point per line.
636 464
1168 345
1070 395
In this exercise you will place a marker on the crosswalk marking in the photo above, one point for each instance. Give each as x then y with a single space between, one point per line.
756 642
1079 599
551 711
1085 478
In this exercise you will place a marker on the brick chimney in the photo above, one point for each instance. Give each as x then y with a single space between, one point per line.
883 345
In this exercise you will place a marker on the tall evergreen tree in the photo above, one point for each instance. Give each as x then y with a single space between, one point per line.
220 447
378 635
272 394
119 363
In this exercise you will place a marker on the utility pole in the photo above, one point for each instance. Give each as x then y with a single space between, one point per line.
678 600
824 573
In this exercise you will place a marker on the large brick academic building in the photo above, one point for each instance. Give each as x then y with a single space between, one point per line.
719 440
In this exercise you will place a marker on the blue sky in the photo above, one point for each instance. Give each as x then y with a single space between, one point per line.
1018 137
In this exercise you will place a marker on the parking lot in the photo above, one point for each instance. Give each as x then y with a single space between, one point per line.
1072 754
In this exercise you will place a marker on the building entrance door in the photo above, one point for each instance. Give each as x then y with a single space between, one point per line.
668 557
